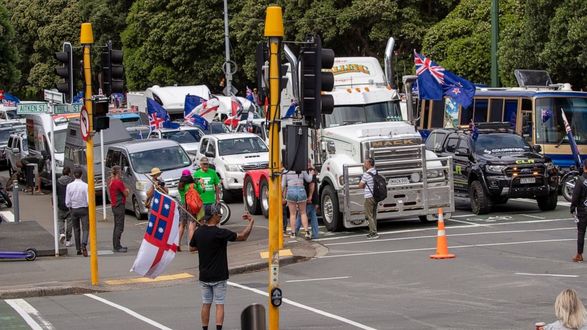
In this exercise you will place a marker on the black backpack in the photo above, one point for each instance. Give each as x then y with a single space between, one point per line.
379 190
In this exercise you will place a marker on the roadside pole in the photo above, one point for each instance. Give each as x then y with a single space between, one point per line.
87 39
54 180
103 177
274 31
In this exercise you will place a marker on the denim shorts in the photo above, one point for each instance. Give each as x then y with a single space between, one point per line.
213 292
296 194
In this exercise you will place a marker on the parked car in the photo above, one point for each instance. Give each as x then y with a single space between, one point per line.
137 158
5 133
493 164
233 155
187 136
17 148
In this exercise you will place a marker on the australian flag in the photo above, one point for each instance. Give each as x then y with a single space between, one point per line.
158 116
10 100
572 142
546 114
189 115
161 237
435 82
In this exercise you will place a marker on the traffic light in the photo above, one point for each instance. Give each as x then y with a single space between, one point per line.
313 60
100 104
112 70
65 71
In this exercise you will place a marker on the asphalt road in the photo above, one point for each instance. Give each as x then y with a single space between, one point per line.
510 266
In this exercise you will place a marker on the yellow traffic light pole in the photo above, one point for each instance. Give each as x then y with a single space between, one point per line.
87 39
274 31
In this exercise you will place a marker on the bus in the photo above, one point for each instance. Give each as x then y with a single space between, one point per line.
534 113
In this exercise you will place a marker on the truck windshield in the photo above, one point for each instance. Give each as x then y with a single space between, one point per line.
184 136
60 140
500 143
165 159
552 130
364 113
246 145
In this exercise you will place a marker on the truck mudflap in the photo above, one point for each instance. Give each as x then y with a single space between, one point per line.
412 198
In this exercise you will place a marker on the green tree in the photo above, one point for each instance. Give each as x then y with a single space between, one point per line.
8 51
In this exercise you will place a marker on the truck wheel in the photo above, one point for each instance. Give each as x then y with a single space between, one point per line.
548 203
251 201
136 209
567 186
264 198
330 213
480 202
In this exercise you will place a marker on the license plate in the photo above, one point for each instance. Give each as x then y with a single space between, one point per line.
527 180
396 181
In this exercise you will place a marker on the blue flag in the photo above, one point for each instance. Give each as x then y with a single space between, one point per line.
572 142
158 116
10 100
189 113
250 95
435 82
546 114
291 110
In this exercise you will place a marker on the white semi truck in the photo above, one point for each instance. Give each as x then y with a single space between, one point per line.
367 121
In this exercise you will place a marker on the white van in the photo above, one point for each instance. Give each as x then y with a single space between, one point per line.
40 141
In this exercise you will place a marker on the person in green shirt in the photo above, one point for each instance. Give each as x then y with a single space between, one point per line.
211 182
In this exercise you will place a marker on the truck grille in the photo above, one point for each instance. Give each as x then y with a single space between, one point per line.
171 183
255 166
388 160
522 170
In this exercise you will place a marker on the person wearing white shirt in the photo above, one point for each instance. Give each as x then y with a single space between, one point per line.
76 199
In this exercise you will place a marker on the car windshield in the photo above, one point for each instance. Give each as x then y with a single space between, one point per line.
364 113
60 140
165 159
500 143
139 133
218 128
244 145
184 136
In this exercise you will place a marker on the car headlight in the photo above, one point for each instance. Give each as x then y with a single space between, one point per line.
140 185
496 169
233 168
415 177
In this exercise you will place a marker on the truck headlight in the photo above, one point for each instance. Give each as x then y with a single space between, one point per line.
140 185
415 177
433 173
352 180
495 169
233 168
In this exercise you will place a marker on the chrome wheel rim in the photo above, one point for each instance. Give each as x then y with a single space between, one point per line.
264 199
135 206
250 194
328 208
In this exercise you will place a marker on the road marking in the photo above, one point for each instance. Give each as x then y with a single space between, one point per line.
29 314
282 253
533 216
466 222
128 311
318 279
450 247
451 227
452 235
179 276
308 308
551 275
462 216
526 200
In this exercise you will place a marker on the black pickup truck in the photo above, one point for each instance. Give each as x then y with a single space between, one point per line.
493 164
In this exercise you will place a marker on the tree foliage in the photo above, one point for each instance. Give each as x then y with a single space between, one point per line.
8 51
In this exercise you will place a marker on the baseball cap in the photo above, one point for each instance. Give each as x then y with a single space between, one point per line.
186 172
204 160
210 211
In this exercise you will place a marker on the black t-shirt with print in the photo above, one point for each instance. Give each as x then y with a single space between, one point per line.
211 243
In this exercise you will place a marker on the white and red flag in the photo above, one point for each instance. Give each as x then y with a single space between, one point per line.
161 237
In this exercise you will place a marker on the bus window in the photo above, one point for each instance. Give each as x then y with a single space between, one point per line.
510 112
466 115
527 126
496 113
527 104
437 118
552 130
481 110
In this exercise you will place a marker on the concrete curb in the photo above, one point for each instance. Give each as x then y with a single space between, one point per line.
46 291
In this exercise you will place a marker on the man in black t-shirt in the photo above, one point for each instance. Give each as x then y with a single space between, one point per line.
210 241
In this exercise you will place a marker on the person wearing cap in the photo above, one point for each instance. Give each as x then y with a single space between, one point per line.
579 211
211 243
155 178
211 182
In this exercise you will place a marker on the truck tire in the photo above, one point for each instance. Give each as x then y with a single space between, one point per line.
480 202
264 198
329 208
548 203
250 199
567 185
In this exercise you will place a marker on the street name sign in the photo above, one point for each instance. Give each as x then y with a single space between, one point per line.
53 96
31 108
59 109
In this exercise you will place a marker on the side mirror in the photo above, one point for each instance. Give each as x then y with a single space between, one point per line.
15 150
209 154
537 148
462 152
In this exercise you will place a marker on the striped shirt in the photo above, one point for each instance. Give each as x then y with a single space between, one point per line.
368 180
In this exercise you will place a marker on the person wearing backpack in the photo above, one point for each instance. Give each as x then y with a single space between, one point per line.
184 182
367 183
579 211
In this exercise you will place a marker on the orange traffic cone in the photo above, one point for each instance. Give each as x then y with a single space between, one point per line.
441 242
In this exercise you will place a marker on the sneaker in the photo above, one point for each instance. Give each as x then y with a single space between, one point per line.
372 236
578 258
84 251
292 234
62 239
307 235
121 249
68 243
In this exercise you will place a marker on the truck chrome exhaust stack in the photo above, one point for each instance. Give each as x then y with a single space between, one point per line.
408 83
387 61
293 62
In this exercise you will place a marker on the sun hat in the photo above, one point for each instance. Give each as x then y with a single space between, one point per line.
155 171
